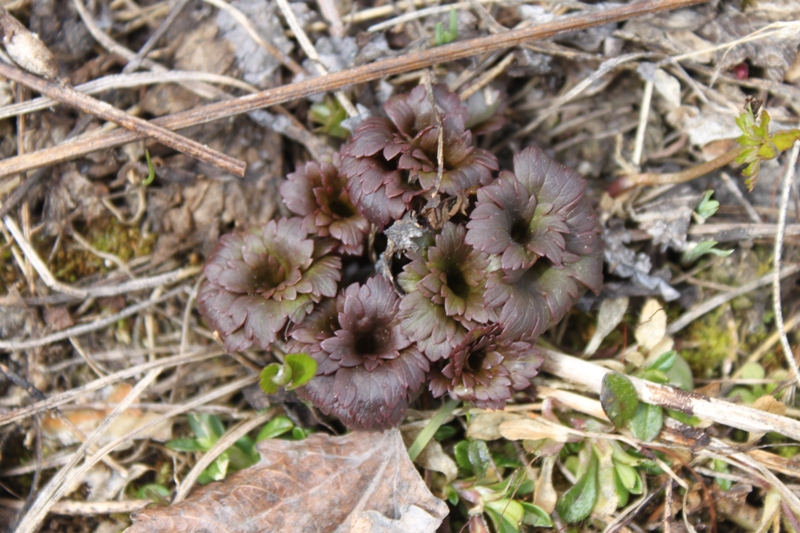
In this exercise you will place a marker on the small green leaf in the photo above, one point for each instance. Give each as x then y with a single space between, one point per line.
444 433
693 253
656 376
707 207
185 445
646 423
680 375
267 380
767 151
744 393
721 467
239 459
578 502
618 398
627 475
154 491
299 433
683 418
622 492
275 428
150 169
207 428
506 514
535 516
664 362
216 471
461 452
452 495
752 371
479 457
442 36
785 139
304 368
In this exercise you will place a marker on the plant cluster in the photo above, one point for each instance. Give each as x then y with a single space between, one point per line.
410 261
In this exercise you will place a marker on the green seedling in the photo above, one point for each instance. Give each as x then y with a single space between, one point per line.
208 429
297 370
442 36
329 114
756 145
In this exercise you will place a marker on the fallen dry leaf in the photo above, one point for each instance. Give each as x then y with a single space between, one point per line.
363 481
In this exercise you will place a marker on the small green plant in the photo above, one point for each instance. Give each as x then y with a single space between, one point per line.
759 145
482 485
442 36
329 114
280 426
207 430
297 370
151 170
756 145
750 393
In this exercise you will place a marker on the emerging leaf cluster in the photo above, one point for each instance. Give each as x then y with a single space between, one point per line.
471 266
759 144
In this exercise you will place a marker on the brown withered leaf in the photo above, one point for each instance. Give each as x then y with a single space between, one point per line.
363 481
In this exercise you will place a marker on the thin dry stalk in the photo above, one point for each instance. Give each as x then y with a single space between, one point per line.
37 263
225 442
62 482
311 52
239 17
718 411
136 61
126 81
373 71
78 508
712 303
87 104
32 521
86 328
788 180
64 397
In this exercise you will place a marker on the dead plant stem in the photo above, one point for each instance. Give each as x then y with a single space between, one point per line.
372 71
87 104
788 179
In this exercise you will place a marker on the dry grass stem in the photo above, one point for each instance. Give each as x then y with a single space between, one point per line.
712 303
337 80
788 180
239 17
81 508
67 396
86 328
33 518
37 263
719 411
98 108
136 61
311 52
126 81
226 441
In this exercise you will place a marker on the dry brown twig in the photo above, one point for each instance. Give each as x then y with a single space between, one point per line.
87 104
337 80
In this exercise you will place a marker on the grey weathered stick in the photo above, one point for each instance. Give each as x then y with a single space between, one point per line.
87 104
719 411
337 80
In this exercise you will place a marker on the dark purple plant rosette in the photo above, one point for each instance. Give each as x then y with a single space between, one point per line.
539 226
318 192
258 280
505 258
388 162
367 367
445 287
486 368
